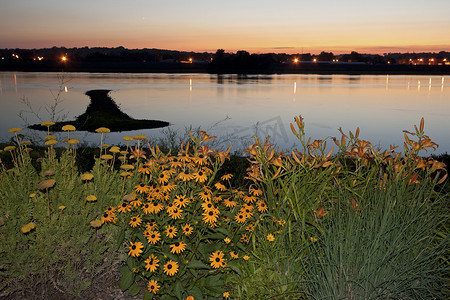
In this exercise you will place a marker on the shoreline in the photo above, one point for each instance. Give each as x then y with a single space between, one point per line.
174 67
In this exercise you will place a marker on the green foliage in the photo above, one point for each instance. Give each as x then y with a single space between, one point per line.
310 224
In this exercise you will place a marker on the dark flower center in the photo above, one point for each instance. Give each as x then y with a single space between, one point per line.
211 213
153 236
177 244
217 259
133 247
200 173
169 266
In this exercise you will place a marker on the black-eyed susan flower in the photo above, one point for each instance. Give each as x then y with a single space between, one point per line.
200 176
152 236
270 237
175 163
163 177
245 238
262 206
146 208
208 206
168 187
240 218
141 188
136 202
151 225
176 213
210 217
217 260
135 249
256 192
229 203
200 159
108 217
110 209
181 201
249 199
178 247
135 221
250 227
205 195
171 268
156 208
234 255
226 295
144 170
185 175
188 229
171 231
151 263
170 207
246 257
227 240
153 286
227 177
313 239
219 186
124 207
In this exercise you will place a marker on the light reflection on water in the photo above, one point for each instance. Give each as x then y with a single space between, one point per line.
236 107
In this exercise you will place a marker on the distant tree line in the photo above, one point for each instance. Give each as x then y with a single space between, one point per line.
220 61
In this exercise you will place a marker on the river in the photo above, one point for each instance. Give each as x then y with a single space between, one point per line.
235 108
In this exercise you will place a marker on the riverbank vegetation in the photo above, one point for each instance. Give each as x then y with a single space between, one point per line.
197 222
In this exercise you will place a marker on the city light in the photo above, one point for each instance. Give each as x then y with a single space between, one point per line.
64 58
295 60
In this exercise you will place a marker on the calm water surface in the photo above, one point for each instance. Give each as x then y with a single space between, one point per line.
235 108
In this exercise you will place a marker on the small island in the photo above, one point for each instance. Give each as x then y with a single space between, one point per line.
103 111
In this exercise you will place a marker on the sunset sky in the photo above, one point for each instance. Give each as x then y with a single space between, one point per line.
260 26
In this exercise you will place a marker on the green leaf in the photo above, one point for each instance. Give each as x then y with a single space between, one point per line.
120 239
195 292
148 296
214 281
133 290
234 265
178 289
196 264
127 279
214 236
